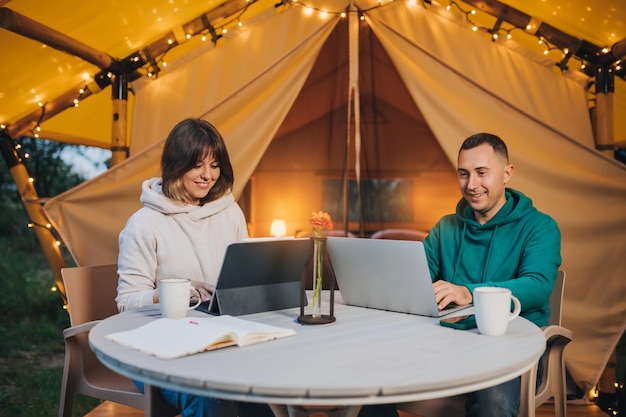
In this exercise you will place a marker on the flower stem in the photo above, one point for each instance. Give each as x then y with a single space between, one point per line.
319 248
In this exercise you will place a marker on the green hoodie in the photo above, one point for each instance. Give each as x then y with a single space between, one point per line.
519 249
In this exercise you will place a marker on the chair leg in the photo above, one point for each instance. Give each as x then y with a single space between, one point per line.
558 385
66 400
68 383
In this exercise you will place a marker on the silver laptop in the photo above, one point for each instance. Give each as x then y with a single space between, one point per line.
385 274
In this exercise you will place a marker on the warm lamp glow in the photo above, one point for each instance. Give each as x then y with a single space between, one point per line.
278 228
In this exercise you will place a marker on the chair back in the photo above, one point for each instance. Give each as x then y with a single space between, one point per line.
556 299
90 292
400 234
326 233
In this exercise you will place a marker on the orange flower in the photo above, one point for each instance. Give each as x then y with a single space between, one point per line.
320 220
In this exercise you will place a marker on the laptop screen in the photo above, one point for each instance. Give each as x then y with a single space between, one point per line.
260 275
384 274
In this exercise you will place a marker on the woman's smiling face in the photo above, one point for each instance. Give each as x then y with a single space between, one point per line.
199 180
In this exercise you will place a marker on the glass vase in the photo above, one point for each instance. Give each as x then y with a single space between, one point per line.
320 310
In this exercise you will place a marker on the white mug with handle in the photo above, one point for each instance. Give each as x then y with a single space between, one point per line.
492 306
174 296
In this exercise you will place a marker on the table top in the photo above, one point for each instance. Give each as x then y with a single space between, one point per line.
366 357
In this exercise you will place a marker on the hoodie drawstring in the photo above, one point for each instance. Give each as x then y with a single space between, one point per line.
493 238
458 258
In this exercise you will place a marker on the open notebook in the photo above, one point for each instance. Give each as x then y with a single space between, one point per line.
385 274
169 339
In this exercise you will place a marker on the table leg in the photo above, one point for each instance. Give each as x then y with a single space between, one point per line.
279 410
353 411
297 411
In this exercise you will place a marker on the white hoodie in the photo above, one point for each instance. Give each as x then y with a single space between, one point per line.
166 239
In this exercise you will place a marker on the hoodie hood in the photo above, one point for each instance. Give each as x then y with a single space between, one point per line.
152 197
517 206
482 238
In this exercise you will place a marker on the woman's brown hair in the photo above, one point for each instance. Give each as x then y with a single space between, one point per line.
190 142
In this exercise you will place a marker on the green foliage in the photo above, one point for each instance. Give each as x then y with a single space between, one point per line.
32 317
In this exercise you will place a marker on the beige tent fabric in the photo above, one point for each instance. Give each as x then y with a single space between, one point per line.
462 84
246 101
90 216
244 88
542 116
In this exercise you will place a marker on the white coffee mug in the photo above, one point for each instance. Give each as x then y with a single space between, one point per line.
174 295
492 306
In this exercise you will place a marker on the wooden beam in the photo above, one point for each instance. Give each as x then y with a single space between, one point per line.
31 29
29 122
195 26
619 49
552 35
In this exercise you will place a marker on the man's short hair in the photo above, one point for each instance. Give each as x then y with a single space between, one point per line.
494 141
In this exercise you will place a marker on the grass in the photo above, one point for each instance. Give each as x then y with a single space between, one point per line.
32 319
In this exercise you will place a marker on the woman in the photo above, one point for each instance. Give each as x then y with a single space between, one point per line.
189 217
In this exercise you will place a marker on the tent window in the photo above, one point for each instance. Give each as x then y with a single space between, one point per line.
384 200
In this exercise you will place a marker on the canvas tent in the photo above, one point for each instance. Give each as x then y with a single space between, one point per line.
268 89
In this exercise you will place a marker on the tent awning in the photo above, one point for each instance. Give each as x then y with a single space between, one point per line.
35 73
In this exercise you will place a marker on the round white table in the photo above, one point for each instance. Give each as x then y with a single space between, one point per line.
366 357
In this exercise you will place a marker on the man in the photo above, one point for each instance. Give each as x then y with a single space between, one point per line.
495 238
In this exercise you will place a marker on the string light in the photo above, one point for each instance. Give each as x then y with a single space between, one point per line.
530 29
46 226
467 13
21 154
324 13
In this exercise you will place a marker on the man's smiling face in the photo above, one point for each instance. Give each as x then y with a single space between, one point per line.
483 175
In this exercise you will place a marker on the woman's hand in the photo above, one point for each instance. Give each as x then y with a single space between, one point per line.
446 293
205 290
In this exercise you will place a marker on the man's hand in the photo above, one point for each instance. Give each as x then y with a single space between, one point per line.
446 293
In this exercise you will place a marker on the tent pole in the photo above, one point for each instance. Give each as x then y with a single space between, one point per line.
354 102
34 209
119 96
605 87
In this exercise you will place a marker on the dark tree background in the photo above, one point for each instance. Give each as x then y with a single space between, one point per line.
31 345
52 176
51 173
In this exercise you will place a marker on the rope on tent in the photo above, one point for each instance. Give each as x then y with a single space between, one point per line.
354 100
